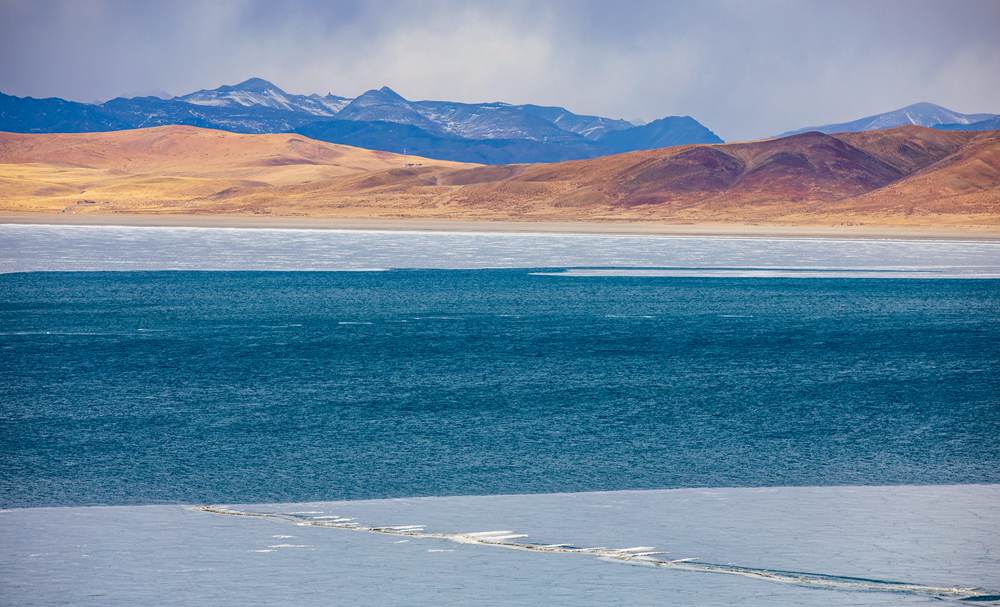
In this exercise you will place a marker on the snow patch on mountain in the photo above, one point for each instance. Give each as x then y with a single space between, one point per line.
257 92
918 114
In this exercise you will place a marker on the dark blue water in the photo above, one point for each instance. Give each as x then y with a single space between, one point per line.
244 387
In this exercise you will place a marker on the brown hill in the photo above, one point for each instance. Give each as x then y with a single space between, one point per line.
905 176
171 169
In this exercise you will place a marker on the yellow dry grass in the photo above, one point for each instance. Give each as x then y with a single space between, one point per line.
903 177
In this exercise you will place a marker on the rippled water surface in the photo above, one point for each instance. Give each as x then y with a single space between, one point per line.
141 387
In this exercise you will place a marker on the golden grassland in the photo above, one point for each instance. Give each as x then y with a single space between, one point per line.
900 179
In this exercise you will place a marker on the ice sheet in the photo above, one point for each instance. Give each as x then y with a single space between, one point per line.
941 536
883 273
25 248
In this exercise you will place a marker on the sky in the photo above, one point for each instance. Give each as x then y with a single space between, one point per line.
744 68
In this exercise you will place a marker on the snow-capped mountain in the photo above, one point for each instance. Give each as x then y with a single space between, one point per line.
141 112
257 92
590 127
498 120
386 105
495 120
919 114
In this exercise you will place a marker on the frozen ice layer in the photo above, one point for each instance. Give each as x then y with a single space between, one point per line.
773 546
778 272
27 248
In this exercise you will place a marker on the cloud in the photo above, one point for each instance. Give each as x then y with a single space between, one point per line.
745 68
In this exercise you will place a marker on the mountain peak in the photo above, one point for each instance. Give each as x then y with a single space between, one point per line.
384 96
256 85
259 93
925 105
391 94
924 114
666 120
660 133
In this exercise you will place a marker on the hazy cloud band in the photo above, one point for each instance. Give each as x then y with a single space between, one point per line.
744 68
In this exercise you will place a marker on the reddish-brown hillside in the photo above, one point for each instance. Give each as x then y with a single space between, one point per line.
904 176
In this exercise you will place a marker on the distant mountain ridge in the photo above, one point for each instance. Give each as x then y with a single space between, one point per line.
919 114
378 119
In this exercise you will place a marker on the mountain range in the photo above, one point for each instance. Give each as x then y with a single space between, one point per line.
381 119
907 176
378 119
918 114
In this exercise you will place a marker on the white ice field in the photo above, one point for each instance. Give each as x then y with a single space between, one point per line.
29 248
768 546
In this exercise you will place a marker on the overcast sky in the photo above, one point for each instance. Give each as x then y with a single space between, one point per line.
743 68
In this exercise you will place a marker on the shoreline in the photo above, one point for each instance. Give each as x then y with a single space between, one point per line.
611 228
749 489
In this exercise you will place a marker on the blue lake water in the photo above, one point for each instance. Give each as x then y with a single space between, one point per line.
149 387
495 364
